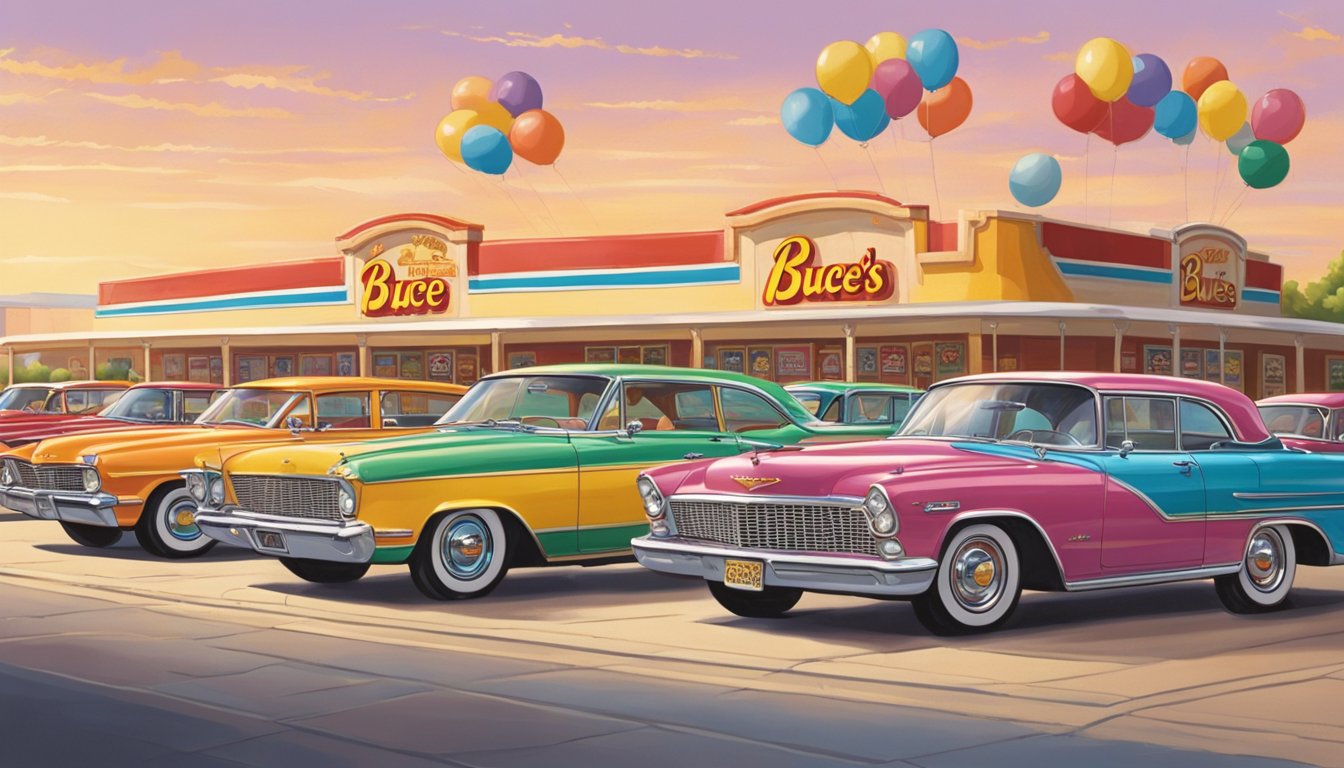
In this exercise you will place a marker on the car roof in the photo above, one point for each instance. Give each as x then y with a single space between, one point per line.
345 383
1326 399
178 385
850 386
80 384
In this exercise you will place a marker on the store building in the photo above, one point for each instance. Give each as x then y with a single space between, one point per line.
837 285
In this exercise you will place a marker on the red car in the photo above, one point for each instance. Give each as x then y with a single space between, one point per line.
1311 421
164 403
58 398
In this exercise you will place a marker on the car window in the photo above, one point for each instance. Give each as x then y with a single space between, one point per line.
810 400
870 408
415 409
343 410
195 403
1200 427
1149 422
23 398
670 405
747 411
1305 420
1044 414
543 401
1337 422
832 411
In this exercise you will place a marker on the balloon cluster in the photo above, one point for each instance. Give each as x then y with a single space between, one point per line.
492 122
864 87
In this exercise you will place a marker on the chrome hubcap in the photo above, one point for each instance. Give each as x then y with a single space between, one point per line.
977 570
182 521
467 547
1264 560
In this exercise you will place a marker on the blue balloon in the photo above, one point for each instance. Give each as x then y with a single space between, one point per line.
1175 115
1152 80
487 150
864 119
1186 140
1035 179
933 54
807 116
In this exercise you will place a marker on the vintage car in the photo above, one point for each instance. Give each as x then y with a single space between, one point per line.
161 404
534 467
60 397
1310 421
848 402
1003 482
99 484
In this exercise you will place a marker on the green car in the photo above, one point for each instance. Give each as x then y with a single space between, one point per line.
534 466
847 402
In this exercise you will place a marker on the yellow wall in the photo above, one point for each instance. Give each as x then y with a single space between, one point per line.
26 320
1008 264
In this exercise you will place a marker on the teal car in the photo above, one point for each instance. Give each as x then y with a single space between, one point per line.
848 402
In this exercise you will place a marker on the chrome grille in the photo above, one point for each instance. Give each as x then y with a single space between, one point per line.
309 498
789 526
55 478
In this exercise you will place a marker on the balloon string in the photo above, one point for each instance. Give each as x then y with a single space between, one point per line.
1110 197
1238 200
1217 178
582 203
869 152
835 184
1185 170
1087 162
896 163
550 217
933 173
530 224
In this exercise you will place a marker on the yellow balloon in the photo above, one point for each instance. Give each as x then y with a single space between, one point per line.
843 71
885 45
1222 110
1106 66
471 92
450 130
495 115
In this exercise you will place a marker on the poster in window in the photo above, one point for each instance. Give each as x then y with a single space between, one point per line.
599 354
1273 375
282 365
251 368
1007 364
198 368
522 359
628 355
467 370
1212 365
793 363
655 355
174 367
710 362
759 360
894 362
1129 362
385 365
217 370
1192 363
1157 359
345 364
315 365
950 358
1234 369
921 360
441 366
865 363
412 365
1334 374
831 361
732 359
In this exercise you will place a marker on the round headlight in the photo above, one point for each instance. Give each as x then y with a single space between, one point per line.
6 475
347 501
881 514
217 491
92 483
196 487
653 500
890 548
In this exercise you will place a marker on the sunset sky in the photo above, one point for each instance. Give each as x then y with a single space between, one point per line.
142 137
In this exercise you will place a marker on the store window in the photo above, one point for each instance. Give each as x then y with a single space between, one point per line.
415 409
343 410
745 411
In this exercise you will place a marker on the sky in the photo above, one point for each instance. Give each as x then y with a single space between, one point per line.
139 137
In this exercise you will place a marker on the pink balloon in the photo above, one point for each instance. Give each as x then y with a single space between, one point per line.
898 85
1278 116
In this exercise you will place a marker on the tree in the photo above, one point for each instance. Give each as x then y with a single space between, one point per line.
1322 300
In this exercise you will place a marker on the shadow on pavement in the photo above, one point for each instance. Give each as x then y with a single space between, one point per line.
121 551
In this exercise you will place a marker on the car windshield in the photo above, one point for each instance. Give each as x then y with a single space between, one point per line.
256 407
1042 414
149 404
23 398
543 401
1304 420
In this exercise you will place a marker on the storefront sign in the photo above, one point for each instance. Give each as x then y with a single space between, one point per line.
798 275
1209 273
416 285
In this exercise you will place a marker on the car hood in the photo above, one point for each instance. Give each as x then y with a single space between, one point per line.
13 430
125 444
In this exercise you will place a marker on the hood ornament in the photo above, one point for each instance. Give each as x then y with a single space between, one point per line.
752 483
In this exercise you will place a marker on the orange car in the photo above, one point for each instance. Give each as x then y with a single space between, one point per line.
99 484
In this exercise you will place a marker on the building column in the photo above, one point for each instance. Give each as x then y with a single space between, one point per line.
994 345
496 351
11 364
145 376
697 349
1222 367
93 362
1301 362
226 360
365 364
1062 326
1175 331
851 367
1120 329
975 351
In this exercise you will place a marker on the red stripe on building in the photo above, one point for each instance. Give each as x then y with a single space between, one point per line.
942 235
613 252
1084 244
313 273
407 218
1265 275
846 194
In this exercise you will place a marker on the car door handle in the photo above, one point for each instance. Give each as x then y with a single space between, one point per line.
694 456
1187 467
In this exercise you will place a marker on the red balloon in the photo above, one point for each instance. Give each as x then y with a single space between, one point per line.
946 108
1075 106
1124 122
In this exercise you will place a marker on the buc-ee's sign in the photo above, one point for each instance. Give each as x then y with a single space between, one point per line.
415 285
1208 275
797 276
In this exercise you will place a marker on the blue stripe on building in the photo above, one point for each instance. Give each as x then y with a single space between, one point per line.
337 296
1113 272
1260 295
727 273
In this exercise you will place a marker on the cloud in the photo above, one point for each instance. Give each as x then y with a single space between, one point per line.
7 99
1310 31
169 66
670 105
757 120
136 101
203 205
989 45
195 149
1060 56
88 167
296 84
381 185
33 197
529 40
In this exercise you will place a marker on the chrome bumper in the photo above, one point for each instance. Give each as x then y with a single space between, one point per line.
343 542
905 577
97 509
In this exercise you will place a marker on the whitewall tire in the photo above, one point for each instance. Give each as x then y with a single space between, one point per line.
167 528
978 584
1266 574
461 555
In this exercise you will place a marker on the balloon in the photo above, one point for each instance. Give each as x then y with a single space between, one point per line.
517 92
486 149
807 116
1152 80
898 85
537 136
450 131
1278 116
1238 141
1035 179
1075 106
471 92
1222 110
1187 139
946 108
885 46
1176 115
864 119
933 54
1200 73
1106 66
1127 122
843 70
1262 164
496 116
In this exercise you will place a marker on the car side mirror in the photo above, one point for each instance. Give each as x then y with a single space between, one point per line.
1126 448
634 427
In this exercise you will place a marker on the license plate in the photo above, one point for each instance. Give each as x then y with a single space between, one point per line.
743 574
271 540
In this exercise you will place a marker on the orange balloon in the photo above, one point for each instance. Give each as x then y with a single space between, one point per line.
537 136
1200 73
471 92
946 108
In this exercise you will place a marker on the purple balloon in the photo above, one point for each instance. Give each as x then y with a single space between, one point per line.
1152 80
899 86
517 92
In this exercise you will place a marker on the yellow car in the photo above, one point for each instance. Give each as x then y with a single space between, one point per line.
100 484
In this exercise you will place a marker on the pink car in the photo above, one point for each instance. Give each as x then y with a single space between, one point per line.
1312 421
1003 482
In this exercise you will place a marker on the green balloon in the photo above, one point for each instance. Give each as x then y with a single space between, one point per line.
1262 164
